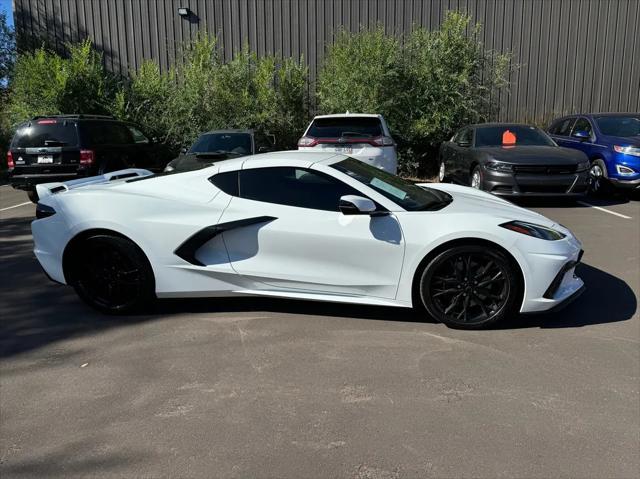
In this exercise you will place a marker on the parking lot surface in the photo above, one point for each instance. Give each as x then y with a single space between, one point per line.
277 388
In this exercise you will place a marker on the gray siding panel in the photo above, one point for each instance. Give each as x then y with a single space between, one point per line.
573 55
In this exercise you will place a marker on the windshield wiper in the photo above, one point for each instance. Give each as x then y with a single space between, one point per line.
54 143
356 134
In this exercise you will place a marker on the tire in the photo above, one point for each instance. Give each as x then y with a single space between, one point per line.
33 196
112 275
470 287
476 180
600 185
442 173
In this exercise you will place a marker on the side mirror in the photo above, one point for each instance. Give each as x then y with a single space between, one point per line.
356 205
581 135
264 149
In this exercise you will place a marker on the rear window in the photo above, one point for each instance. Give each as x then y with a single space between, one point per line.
36 135
106 133
358 126
239 143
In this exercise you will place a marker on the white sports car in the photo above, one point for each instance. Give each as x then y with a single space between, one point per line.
313 226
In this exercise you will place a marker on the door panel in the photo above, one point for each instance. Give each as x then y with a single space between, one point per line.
315 250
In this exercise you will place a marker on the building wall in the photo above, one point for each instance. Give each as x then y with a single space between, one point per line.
574 55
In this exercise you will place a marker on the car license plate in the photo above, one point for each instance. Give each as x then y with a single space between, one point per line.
45 158
345 149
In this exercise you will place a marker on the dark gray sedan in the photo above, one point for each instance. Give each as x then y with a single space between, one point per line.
513 159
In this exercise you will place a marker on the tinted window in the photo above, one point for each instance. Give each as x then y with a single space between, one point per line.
36 134
562 127
227 182
239 143
351 126
106 133
464 136
138 136
524 135
619 125
401 192
582 125
293 187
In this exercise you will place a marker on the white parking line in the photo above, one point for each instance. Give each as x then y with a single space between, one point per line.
584 203
16 206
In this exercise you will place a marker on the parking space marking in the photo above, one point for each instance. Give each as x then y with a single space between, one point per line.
584 203
16 206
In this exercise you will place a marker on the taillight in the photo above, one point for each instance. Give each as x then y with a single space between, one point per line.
10 163
383 141
307 141
87 157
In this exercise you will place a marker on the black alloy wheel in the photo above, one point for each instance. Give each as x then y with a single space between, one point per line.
469 287
599 182
112 275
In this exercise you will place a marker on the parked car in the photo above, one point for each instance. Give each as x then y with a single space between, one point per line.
219 145
361 136
63 147
514 160
315 226
611 141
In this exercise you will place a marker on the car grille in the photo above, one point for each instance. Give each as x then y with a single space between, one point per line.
545 169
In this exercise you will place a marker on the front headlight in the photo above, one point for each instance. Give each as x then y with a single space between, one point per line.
498 166
168 168
537 231
583 165
627 150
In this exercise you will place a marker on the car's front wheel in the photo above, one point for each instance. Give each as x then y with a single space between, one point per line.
476 178
442 172
470 287
600 185
112 274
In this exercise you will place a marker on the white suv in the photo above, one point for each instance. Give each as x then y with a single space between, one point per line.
364 137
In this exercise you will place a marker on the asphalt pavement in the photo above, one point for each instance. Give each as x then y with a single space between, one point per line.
275 388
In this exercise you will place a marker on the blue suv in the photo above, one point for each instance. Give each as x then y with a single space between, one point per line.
612 143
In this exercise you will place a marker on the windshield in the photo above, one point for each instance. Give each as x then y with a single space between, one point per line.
619 125
51 133
511 135
401 192
355 126
238 143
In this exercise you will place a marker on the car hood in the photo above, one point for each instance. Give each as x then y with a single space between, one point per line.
472 201
543 155
621 140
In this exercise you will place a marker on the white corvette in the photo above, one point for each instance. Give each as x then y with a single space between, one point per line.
298 225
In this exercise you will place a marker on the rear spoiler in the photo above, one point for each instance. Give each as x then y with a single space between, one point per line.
47 189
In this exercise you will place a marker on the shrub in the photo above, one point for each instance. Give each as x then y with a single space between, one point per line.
44 83
266 94
426 87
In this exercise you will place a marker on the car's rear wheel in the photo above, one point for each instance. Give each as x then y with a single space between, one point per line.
476 178
442 172
112 274
470 287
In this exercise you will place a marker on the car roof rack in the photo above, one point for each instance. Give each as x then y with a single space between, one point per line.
75 116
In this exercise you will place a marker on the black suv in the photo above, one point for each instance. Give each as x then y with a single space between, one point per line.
218 145
64 147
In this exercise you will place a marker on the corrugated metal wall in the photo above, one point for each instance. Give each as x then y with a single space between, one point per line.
575 55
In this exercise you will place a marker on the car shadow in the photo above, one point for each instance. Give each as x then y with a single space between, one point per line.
569 202
35 312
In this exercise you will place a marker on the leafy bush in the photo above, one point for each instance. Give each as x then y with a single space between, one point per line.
265 93
44 83
426 87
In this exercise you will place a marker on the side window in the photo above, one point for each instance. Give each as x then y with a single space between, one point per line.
582 125
464 136
106 133
563 127
138 136
227 182
294 187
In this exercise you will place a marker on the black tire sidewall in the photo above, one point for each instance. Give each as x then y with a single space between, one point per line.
146 295
508 309
605 186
